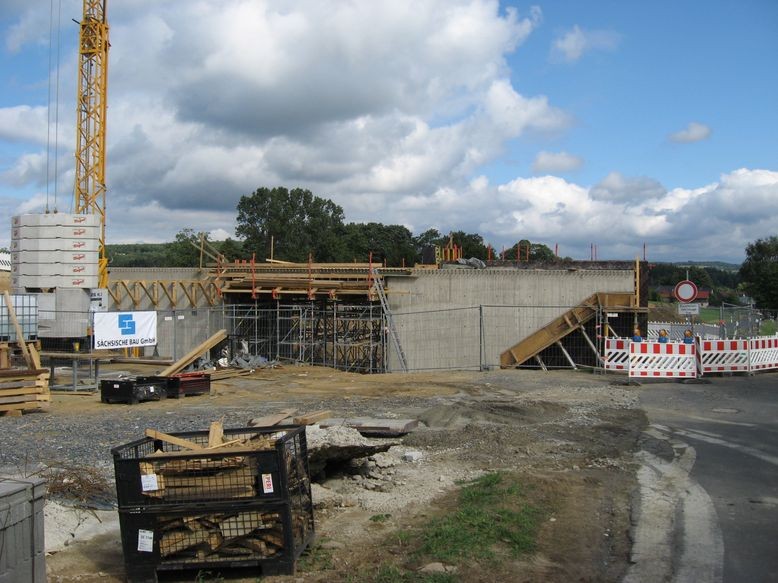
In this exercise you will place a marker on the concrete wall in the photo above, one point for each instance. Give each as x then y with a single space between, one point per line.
464 318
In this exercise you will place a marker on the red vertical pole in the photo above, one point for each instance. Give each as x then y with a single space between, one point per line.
253 279
369 271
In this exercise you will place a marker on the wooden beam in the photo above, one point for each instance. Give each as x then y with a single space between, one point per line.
185 443
215 434
193 354
311 418
19 332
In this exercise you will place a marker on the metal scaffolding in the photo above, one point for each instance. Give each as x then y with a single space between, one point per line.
345 337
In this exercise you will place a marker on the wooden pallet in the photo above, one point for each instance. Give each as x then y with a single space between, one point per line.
23 391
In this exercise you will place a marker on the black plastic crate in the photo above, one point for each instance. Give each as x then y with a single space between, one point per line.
132 390
188 384
269 463
265 537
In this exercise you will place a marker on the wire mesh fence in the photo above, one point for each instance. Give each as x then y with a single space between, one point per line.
354 337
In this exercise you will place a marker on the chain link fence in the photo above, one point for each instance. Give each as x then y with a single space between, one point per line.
355 337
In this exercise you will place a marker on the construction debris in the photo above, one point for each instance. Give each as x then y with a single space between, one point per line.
373 427
336 445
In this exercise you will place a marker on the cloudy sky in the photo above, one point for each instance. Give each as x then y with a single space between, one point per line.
563 122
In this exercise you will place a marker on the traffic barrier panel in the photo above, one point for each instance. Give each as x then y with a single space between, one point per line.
662 360
724 356
763 353
616 354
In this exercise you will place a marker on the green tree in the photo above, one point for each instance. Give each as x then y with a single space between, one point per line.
393 244
231 249
185 250
472 244
537 252
759 272
428 238
299 223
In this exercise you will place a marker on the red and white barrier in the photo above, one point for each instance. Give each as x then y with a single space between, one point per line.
763 353
662 360
616 354
724 356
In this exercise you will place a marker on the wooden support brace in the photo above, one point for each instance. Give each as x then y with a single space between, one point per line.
19 332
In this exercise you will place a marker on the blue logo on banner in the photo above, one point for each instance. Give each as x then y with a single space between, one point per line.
126 324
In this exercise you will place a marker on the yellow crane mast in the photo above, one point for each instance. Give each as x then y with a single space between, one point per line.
90 121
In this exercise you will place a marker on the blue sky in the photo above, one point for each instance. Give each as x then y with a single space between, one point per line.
566 122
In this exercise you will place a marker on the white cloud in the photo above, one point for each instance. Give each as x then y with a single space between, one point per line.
573 44
694 132
392 109
23 123
551 162
618 188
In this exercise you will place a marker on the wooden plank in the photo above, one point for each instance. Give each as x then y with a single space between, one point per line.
35 356
34 406
18 385
215 434
194 354
174 542
192 493
19 332
270 420
311 418
201 464
237 477
23 398
20 373
185 443
244 523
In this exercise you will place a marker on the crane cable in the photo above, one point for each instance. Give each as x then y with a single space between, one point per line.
52 51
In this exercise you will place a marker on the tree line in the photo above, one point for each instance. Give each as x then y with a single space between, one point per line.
297 224
293 224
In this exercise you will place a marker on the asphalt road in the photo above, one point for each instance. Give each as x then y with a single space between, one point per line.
727 431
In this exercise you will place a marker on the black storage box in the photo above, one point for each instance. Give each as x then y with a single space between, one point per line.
188 383
132 390
243 506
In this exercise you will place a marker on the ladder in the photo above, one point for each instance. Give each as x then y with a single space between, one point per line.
379 288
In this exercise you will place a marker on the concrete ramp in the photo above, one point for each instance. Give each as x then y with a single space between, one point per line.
563 325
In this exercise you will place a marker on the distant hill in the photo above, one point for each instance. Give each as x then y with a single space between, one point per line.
724 266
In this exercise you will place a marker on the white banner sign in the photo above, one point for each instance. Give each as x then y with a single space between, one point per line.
125 329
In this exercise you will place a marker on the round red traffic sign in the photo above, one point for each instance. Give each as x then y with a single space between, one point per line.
685 291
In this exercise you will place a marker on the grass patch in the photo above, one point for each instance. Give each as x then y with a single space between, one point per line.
768 328
478 530
315 558
491 520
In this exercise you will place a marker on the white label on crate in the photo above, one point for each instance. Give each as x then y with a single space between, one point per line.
267 483
149 483
145 541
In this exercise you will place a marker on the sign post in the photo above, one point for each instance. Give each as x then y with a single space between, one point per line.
686 292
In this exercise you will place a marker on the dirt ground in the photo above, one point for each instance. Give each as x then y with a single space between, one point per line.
569 435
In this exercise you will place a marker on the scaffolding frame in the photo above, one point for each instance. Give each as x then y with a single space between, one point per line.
349 337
